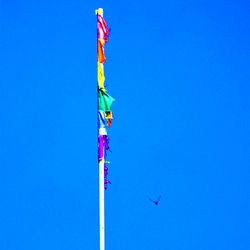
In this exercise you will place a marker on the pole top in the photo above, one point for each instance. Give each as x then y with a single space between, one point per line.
99 11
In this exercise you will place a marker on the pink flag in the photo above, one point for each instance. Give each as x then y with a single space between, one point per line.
102 29
100 147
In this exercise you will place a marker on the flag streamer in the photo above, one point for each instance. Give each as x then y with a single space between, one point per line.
105 101
102 29
100 75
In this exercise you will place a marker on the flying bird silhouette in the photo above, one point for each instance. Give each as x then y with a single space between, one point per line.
157 201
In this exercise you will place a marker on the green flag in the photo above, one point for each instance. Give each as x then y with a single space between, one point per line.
105 101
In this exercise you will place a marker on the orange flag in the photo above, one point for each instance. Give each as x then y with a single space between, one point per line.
100 52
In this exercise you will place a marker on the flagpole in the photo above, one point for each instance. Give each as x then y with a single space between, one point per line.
101 174
101 203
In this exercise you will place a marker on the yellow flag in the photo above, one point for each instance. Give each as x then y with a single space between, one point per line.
101 77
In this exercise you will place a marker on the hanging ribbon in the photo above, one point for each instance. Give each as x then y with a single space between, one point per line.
106 181
103 146
109 117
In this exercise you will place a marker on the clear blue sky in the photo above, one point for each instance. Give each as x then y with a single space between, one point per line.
179 71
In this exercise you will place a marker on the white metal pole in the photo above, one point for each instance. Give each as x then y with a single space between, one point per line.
101 181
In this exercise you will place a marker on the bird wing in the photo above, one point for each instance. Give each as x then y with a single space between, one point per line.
151 200
159 198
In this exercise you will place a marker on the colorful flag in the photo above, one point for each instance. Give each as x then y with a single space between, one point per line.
102 28
100 147
109 117
101 119
103 145
105 101
101 77
100 52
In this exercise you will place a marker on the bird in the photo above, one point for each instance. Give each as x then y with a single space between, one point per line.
157 201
